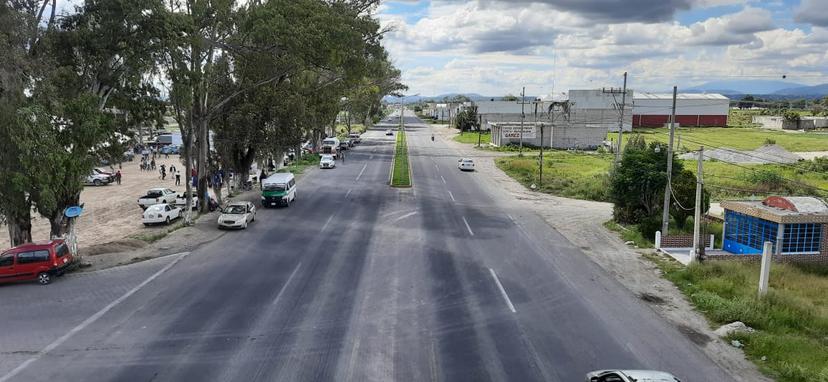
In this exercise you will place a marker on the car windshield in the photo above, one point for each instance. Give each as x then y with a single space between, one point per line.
233 210
274 187
154 194
156 208
327 157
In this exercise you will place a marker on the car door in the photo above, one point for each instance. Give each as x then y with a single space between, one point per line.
7 268
27 264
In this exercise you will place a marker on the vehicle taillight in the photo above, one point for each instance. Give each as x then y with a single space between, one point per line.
54 264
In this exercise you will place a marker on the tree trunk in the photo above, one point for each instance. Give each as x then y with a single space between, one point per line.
20 229
202 173
57 221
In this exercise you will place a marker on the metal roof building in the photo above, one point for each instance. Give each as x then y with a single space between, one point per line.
692 109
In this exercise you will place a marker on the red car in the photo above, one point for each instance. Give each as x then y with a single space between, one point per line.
35 261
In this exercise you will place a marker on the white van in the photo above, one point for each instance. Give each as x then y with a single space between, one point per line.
279 189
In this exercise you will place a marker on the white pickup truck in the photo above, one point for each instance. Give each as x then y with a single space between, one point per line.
157 196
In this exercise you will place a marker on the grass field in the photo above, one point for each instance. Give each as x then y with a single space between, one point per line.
735 138
298 167
585 176
401 176
471 137
791 341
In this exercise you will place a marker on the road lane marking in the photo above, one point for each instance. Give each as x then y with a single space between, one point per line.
452 196
276 300
444 179
502 291
90 320
348 193
323 230
468 227
437 167
361 171
404 216
512 219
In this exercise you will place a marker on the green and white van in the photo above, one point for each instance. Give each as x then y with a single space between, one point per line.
279 189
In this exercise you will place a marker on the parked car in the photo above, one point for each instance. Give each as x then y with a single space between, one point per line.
630 376
36 261
96 179
327 161
355 137
108 174
157 196
181 200
129 156
389 132
465 164
160 213
170 149
237 215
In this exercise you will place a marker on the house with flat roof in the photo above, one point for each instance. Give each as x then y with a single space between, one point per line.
796 225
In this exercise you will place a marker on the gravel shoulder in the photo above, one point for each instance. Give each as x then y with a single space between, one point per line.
581 222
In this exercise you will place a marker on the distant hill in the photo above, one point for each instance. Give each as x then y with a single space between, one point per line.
805 91
732 87
438 98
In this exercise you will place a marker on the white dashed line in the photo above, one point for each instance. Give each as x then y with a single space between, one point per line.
468 227
276 300
404 216
452 196
444 179
348 193
323 228
503 291
90 320
361 171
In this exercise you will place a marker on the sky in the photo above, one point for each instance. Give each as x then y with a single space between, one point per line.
494 47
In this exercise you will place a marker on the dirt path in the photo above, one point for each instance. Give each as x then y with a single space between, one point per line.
581 222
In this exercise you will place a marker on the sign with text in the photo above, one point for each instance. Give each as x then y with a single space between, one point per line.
513 132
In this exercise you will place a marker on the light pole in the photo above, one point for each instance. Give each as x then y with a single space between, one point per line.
402 108
347 114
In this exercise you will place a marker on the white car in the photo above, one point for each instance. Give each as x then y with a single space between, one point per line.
181 200
465 164
160 213
389 132
237 215
157 196
96 179
327 161
630 376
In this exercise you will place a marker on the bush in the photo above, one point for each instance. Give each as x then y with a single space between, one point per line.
770 141
766 180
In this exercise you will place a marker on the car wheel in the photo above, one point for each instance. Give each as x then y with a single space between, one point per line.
253 218
96 182
244 225
146 224
167 221
44 278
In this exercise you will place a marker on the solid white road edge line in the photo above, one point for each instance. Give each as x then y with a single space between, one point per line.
502 291
468 227
361 171
276 300
90 320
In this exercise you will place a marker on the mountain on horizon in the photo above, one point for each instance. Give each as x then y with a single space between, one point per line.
745 86
805 91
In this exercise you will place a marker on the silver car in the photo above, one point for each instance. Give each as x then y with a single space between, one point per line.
630 376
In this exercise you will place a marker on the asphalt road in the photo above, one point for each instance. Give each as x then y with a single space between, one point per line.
354 282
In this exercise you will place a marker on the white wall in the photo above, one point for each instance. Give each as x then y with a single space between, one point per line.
686 104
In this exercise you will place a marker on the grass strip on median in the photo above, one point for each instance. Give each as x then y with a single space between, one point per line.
401 173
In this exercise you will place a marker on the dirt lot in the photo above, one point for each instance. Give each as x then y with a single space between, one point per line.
581 222
111 212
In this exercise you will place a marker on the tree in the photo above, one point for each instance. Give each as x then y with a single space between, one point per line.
510 97
467 119
637 186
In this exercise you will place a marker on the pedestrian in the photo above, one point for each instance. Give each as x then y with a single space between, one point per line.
118 177
342 155
166 155
172 169
177 179
163 173
152 164
262 177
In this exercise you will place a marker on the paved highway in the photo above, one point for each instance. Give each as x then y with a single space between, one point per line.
354 282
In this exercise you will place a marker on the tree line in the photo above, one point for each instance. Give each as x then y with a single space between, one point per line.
245 80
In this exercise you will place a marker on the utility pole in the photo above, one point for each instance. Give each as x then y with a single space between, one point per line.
401 111
694 256
540 158
479 127
665 217
522 117
621 120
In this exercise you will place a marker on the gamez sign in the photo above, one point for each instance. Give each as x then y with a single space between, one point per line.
513 132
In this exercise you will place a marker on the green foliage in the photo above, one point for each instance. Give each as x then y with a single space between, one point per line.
770 141
466 120
400 174
791 116
472 136
792 320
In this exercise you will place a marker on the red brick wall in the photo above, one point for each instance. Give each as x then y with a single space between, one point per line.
641 120
681 241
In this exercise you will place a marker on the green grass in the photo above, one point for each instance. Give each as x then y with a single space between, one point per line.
153 236
630 233
791 321
299 166
470 137
569 174
735 138
401 175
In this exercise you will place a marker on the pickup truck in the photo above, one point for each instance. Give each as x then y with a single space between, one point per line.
157 196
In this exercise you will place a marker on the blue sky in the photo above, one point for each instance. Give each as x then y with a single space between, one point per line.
494 47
